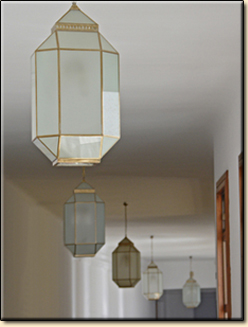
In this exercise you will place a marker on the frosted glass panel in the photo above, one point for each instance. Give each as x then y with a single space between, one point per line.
86 249
106 45
47 92
84 197
33 104
72 199
78 40
110 72
50 43
135 265
111 114
80 147
100 223
76 16
107 144
123 265
98 199
69 223
51 143
85 221
84 186
71 248
44 150
80 92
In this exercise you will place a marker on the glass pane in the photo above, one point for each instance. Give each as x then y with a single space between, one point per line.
44 150
49 43
47 92
135 265
108 142
86 249
33 104
71 248
84 197
78 40
72 199
86 222
98 199
123 265
80 147
69 218
110 72
106 45
84 186
144 283
51 143
100 222
80 92
114 265
76 16
98 247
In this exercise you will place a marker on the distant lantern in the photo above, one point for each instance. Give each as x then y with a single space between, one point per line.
75 92
84 222
191 291
152 280
126 261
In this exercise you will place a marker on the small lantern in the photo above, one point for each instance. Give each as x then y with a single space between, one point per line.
75 93
126 261
191 291
152 280
84 223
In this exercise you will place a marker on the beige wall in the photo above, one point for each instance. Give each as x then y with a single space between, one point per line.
37 267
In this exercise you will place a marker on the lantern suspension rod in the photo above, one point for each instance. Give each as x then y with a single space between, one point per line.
190 263
83 174
152 248
125 204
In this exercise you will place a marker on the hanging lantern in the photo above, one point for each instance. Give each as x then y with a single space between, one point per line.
75 92
126 261
191 291
152 280
84 223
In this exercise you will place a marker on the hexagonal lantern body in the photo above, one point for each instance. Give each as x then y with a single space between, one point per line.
191 293
84 222
126 264
75 93
152 282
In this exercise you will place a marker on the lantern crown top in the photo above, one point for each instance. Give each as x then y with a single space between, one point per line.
75 20
152 265
126 241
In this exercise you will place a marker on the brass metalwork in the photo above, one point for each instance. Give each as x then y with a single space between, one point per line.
79 27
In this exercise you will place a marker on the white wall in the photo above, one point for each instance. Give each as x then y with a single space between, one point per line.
227 147
37 267
176 272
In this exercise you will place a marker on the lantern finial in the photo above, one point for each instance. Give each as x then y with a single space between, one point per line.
125 205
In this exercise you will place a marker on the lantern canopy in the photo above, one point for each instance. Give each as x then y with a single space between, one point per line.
75 92
191 291
152 280
126 262
84 222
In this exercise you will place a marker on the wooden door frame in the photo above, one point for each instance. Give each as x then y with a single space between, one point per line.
222 186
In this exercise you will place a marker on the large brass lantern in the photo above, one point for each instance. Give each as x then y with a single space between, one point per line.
191 291
152 280
126 261
75 92
84 222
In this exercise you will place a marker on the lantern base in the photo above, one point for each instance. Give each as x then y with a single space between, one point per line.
75 162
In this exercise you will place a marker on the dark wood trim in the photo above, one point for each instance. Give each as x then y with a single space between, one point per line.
241 203
222 186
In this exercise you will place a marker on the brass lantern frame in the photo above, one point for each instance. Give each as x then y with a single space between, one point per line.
38 139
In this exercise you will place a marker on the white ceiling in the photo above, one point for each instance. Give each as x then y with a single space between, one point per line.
179 74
